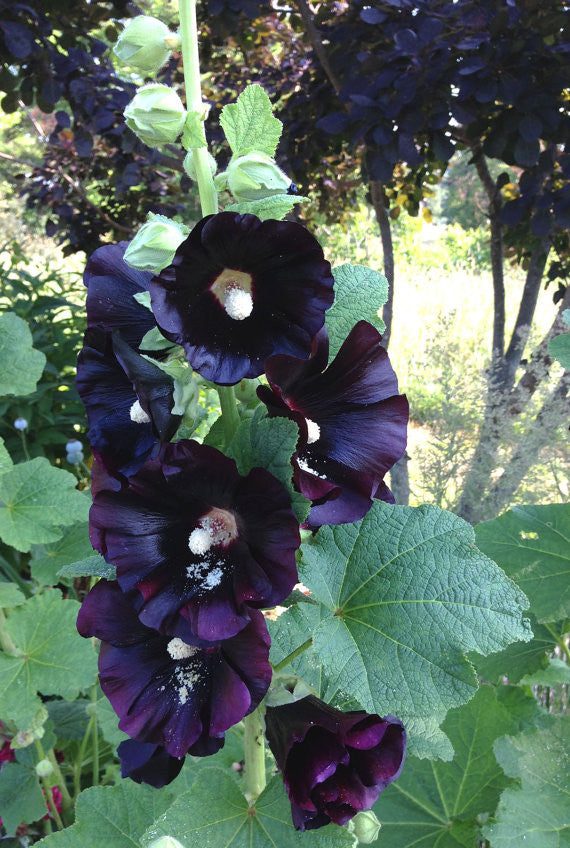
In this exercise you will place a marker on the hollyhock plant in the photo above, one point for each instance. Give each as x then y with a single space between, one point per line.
352 422
202 543
180 696
128 401
334 764
239 290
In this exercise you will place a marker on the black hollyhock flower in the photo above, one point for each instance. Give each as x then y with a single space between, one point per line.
352 422
239 290
128 402
144 762
180 696
111 289
334 764
201 543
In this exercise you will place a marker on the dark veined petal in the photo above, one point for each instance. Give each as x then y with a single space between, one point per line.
144 762
201 543
240 290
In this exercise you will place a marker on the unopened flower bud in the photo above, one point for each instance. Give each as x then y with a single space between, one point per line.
73 445
75 457
154 246
190 167
145 44
166 842
44 768
21 424
255 175
156 114
365 827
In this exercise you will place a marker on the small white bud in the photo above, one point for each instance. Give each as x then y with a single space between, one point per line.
156 114
73 445
365 827
155 244
190 167
44 768
145 43
75 457
255 175
21 424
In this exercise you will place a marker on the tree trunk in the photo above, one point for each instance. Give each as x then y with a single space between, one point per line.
379 202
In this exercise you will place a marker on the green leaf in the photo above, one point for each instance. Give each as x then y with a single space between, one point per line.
69 718
21 797
532 544
360 293
538 811
108 721
47 560
5 458
20 365
249 123
93 566
215 813
53 659
10 595
557 671
269 443
520 658
193 134
559 348
144 299
407 593
35 500
430 801
275 207
111 816
154 340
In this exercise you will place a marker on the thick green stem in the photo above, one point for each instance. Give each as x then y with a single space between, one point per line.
293 655
191 64
46 786
66 801
95 737
254 752
230 415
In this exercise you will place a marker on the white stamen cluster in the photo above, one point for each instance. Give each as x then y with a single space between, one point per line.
238 303
179 650
137 413
215 529
200 541
313 431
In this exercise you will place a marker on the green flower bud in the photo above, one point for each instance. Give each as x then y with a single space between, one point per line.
365 827
155 244
145 44
36 730
44 768
166 842
156 114
190 167
255 175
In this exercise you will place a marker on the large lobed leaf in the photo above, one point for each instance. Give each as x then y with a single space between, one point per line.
359 294
21 797
407 593
36 499
249 123
532 544
21 366
52 658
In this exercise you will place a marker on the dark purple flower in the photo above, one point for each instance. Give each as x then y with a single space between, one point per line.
239 290
144 762
334 764
352 422
201 543
111 289
128 402
166 691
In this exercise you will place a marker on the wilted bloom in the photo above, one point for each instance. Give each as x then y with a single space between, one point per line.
128 400
352 422
154 245
255 175
239 290
145 43
156 114
334 764
145 762
167 691
200 542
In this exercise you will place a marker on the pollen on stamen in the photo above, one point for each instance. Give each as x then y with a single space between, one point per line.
179 650
238 303
200 541
313 431
137 413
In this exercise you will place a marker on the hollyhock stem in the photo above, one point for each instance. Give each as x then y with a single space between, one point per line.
67 803
191 64
293 655
230 417
254 753
95 737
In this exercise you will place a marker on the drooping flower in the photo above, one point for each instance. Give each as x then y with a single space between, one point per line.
239 290
334 764
128 400
145 762
200 542
352 422
168 692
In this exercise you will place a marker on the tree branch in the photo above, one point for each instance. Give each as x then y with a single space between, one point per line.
317 42
378 201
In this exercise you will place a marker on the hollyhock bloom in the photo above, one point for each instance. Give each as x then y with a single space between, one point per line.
144 762
128 401
180 696
352 422
201 543
239 290
334 764
7 753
